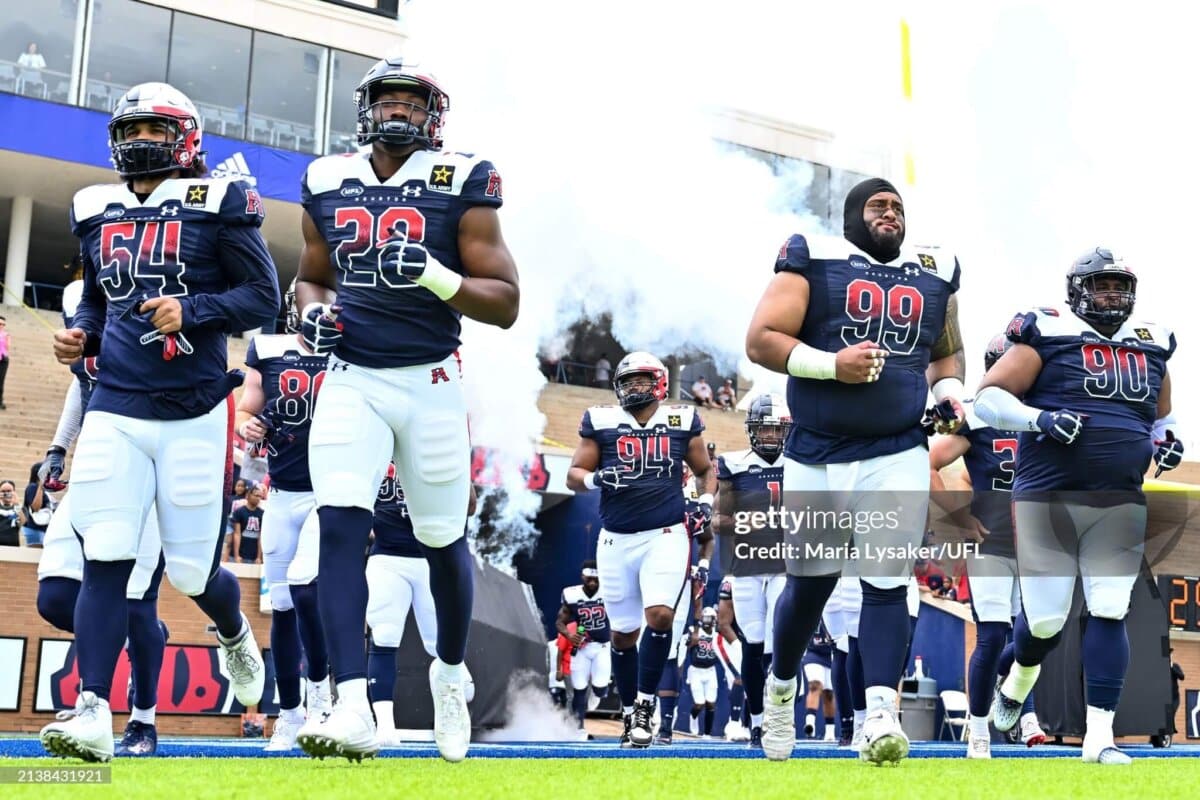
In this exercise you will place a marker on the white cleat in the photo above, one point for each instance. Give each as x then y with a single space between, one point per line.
856 741
342 732
317 698
779 722
1031 732
283 736
884 741
451 718
979 747
244 663
734 732
1104 753
86 732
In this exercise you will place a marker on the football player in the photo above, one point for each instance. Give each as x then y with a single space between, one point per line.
751 481
1087 387
634 454
173 262
702 674
591 664
733 654
840 618
990 458
864 327
275 410
409 237
817 665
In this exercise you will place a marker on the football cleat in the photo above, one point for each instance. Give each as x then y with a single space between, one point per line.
283 736
884 741
755 738
779 720
244 663
641 731
856 739
1005 710
810 725
317 697
1108 756
85 732
140 739
694 726
663 737
451 719
342 732
626 742
1031 732
735 732
979 747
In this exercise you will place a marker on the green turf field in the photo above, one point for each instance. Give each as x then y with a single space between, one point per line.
590 779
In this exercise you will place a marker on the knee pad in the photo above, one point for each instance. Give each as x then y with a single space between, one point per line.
281 597
190 478
189 578
115 540
1047 627
56 602
386 634
439 532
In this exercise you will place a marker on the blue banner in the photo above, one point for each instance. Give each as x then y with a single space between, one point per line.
70 133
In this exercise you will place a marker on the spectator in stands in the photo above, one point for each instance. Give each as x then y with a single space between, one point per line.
39 507
5 347
31 58
247 526
726 396
603 372
702 393
11 515
236 501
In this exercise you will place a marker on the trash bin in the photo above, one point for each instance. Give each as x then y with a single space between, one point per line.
918 708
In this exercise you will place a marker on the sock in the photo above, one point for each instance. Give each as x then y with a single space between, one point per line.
146 646
753 676
653 649
912 634
841 693
1099 727
625 671
344 534
579 705
708 720
810 720
292 714
860 716
381 671
855 679
101 622
978 727
452 583
1105 661
666 704
1028 707
56 602
385 716
353 693
756 720
1029 650
883 634
308 620
221 601
737 696
882 697
285 651
981 674
142 715
797 613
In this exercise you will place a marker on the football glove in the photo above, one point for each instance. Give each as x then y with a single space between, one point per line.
612 477
697 517
1168 453
943 418
319 327
700 576
1063 426
405 257
50 473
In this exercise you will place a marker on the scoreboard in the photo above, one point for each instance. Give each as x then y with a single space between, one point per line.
1181 596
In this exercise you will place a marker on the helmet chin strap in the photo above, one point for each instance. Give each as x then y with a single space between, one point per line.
398 132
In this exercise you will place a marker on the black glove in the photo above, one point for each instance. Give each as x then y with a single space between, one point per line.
1168 454
941 418
52 468
697 517
1063 426
700 576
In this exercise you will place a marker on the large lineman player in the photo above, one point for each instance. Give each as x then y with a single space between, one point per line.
836 312
172 263
278 398
410 239
1088 389
634 454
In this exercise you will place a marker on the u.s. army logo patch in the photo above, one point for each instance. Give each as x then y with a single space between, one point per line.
927 262
1143 334
675 421
196 195
442 177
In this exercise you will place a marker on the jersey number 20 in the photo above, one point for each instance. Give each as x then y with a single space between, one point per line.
358 254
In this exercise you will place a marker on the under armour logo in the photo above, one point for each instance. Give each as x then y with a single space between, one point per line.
339 366
439 375
411 191
170 211
912 271
608 542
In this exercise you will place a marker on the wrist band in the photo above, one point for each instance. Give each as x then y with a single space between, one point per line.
705 499
809 362
948 387
589 481
439 279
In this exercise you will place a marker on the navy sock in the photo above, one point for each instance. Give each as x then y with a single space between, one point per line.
753 676
669 682
981 674
56 602
841 689
797 613
221 601
708 720
381 669
579 704
308 620
147 642
653 649
625 671
101 622
883 634
285 651
1028 649
666 704
1105 661
737 696
854 677
1007 656
345 531
452 583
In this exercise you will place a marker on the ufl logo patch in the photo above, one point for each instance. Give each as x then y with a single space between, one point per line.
196 195
442 177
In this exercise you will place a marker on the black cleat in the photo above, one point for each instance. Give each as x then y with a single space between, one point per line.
626 743
140 739
663 737
755 738
641 731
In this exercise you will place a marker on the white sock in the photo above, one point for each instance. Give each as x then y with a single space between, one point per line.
1099 727
292 714
881 697
642 697
241 632
978 726
142 715
353 694
627 710
860 716
384 720
756 720
1020 681
810 720
451 673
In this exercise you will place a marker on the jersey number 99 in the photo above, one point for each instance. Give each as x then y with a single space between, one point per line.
891 318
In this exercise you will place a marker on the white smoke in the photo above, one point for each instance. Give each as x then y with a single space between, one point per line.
533 717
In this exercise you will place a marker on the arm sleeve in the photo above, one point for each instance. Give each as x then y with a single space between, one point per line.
793 256
93 305
71 418
1003 411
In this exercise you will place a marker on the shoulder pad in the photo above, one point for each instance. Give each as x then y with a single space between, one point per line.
274 345
737 461
572 594
450 173
328 172
94 201
606 417
934 260
1148 333
674 416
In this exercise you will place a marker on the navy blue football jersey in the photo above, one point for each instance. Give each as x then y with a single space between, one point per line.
197 240
756 485
704 651
652 456
991 463
588 612
394 534
388 320
291 378
901 306
1114 380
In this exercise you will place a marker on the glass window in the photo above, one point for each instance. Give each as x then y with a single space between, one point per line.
210 63
285 81
348 70
36 40
128 46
